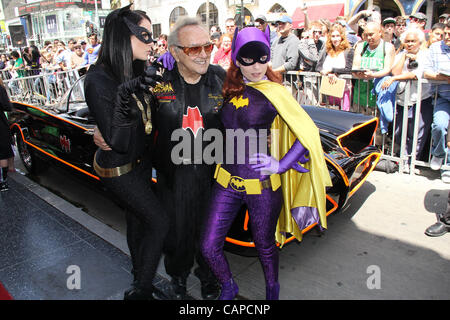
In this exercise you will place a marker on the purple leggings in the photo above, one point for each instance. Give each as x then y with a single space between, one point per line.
263 209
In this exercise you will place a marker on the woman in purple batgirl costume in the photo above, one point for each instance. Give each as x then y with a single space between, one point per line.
281 195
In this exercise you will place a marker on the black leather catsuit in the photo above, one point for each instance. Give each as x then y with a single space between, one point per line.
147 223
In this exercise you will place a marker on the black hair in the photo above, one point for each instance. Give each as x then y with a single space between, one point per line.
35 54
116 53
15 54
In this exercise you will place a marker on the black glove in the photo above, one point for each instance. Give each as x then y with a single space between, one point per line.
151 76
121 118
126 89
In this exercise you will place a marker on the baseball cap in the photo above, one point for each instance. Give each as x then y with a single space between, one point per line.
388 20
444 15
284 19
419 15
261 17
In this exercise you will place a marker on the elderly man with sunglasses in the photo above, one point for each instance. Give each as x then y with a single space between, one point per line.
189 98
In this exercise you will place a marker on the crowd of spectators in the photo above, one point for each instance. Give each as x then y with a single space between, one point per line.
52 56
380 53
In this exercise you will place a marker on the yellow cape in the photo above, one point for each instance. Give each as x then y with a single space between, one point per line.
299 189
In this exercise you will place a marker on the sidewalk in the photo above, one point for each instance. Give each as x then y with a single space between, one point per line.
48 253
379 234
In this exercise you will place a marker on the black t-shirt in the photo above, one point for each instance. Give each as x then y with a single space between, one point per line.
193 121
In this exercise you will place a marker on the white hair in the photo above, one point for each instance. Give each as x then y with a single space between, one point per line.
413 30
173 38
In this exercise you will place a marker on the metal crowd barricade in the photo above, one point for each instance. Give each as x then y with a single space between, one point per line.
414 161
5 75
43 89
305 88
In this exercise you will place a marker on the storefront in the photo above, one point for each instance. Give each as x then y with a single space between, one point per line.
392 8
61 19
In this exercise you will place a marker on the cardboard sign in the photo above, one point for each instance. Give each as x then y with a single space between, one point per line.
335 90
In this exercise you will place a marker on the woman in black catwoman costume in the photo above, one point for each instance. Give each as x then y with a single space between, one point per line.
116 90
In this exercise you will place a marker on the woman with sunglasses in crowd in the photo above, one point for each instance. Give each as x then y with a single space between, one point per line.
116 89
256 102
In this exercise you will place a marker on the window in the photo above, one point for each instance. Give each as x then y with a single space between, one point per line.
176 14
156 30
213 14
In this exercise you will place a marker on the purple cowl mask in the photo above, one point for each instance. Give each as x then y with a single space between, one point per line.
250 40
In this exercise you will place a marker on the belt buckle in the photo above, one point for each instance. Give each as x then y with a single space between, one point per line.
266 184
237 184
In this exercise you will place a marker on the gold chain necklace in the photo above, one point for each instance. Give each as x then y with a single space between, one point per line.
146 116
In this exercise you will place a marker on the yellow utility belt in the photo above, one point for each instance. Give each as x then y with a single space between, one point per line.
114 172
250 186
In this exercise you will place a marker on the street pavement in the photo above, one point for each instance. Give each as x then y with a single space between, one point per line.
374 249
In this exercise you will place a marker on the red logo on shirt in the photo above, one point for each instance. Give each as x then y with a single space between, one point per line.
193 120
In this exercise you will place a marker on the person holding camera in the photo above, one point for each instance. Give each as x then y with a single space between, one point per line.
363 17
409 65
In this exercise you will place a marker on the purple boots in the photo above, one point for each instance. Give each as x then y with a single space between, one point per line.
229 290
273 291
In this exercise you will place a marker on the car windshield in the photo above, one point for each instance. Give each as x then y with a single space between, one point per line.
73 100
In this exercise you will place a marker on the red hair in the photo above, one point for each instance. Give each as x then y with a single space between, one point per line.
234 84
344 45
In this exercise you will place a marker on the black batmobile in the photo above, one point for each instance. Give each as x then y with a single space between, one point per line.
63 133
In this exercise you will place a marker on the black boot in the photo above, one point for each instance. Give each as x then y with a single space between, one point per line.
438 229
175 290
3 179
136 293
179 288
209 286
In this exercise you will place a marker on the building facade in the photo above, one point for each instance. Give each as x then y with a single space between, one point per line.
53 19
164 13
64 19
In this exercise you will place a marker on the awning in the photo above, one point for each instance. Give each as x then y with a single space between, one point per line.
329 11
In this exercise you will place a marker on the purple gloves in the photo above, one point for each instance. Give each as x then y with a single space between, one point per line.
268 165
167 60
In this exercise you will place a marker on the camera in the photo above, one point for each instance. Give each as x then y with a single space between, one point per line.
367 16
412 64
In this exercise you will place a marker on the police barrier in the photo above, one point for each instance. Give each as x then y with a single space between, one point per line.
45 88
401 130
396 139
